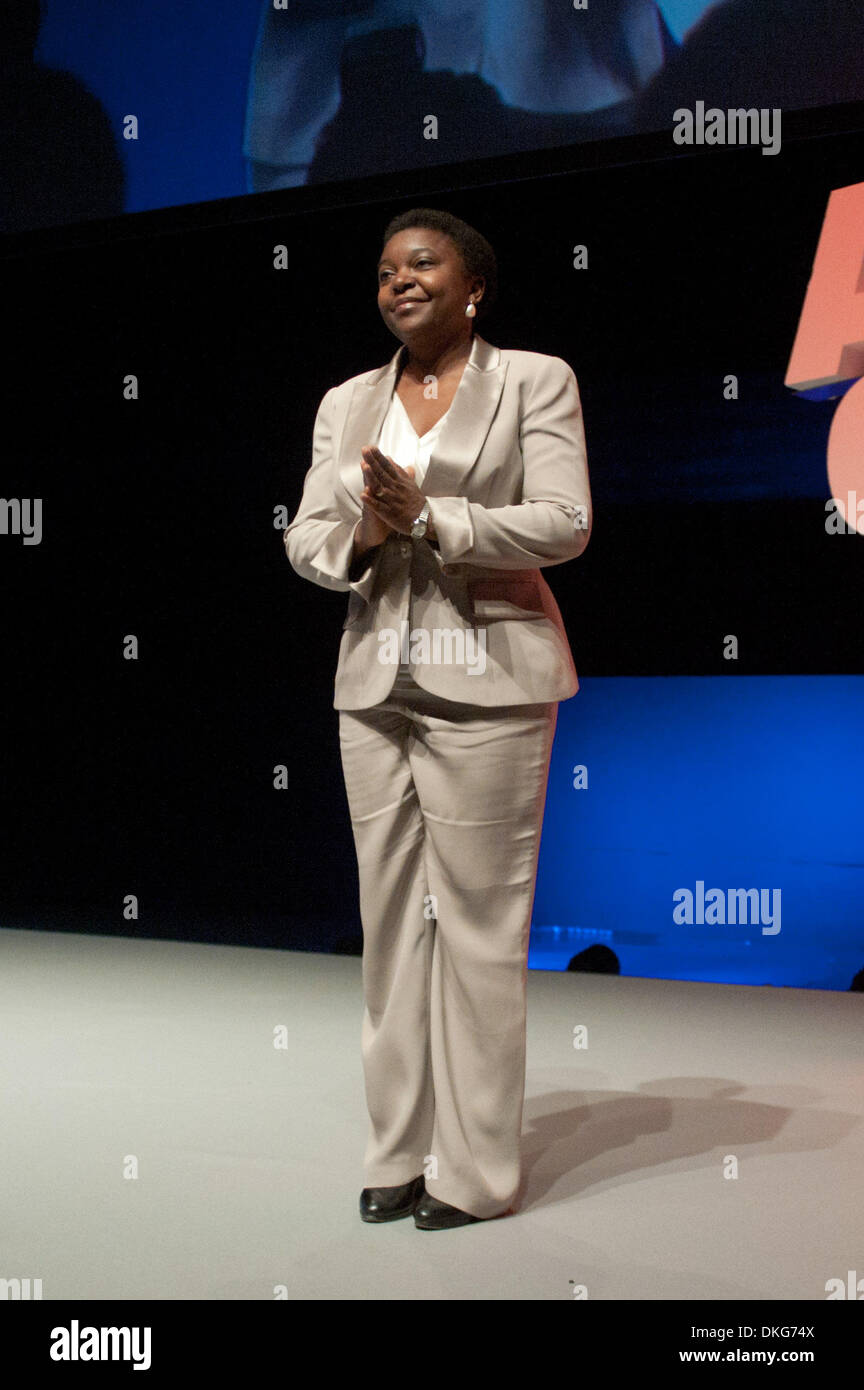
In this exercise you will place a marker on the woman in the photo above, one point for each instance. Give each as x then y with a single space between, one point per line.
440 485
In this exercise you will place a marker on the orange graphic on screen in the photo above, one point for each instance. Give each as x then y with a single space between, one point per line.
829 344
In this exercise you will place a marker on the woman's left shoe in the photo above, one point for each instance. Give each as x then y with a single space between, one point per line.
430 1214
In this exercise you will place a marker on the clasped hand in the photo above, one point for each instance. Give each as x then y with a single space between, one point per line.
390 493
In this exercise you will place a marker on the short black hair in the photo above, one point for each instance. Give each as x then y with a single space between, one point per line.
477 255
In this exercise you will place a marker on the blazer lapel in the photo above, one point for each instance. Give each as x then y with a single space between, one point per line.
462 434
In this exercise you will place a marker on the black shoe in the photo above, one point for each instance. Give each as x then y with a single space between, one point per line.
390 1203
430 1214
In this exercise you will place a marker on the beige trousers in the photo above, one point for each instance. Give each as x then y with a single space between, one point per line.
446 803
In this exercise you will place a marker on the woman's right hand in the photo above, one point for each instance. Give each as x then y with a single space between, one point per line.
371 530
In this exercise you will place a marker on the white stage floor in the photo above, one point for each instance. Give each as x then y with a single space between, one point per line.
119 1052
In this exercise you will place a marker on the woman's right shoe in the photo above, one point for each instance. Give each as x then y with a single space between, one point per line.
391 1203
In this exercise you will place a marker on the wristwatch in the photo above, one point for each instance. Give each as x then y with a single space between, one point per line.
420 523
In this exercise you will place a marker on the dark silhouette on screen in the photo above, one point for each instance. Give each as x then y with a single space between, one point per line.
59 160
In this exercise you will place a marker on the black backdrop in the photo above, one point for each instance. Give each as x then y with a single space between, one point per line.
154 777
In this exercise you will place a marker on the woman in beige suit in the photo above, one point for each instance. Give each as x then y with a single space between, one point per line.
440 486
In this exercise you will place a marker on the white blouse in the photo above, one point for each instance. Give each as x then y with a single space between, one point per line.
401 443
399 439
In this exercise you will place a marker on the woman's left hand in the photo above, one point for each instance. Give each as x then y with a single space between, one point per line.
390 491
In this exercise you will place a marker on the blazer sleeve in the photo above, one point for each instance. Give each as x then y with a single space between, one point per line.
319 541
553 521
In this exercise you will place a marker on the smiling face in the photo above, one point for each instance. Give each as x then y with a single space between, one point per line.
425 267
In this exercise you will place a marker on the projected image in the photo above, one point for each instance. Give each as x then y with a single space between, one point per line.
361 88
109 107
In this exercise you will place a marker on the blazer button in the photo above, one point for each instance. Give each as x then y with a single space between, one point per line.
405 547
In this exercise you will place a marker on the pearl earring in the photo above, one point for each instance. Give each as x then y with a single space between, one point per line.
471 310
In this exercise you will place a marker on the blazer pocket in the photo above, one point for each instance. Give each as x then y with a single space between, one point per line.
494 599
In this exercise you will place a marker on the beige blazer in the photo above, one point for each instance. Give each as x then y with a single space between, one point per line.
509 494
